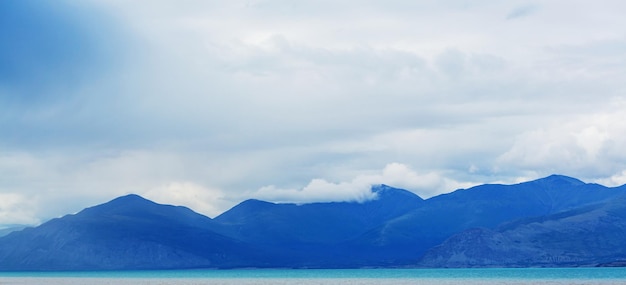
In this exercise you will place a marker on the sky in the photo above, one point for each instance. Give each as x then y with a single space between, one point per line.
208 103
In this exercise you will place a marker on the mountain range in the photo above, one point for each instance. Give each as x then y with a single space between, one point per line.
553 221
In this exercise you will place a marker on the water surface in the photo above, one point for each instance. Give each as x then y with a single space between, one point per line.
501 276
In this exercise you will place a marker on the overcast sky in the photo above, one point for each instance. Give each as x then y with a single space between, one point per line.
208 103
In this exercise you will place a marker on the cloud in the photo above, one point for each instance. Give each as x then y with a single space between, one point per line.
217 99
584 146
618 179
196 197
522 11
318 190
359 188
50 186
17 209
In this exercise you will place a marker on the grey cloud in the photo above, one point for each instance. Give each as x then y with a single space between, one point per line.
452 63
220 100
522 11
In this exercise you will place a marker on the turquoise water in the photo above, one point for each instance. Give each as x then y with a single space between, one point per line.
493 276
416 274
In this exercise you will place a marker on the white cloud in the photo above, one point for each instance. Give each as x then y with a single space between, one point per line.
618 179
587 145
196 197
50 186
17 209
423 184
359 188
318 190
215 99
522 11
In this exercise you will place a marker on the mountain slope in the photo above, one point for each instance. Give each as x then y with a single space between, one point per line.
11 228
556 220
126 233
314 235
591 235
267 223
405 238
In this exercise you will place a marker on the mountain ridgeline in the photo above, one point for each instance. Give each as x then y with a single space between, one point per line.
554 221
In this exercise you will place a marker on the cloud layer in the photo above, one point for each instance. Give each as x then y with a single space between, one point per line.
209 103
359 188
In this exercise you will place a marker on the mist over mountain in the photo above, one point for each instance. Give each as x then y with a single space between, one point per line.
11 228
554 221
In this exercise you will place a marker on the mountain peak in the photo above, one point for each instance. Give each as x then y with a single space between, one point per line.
534 223
130 198
383 187
561 179
128 201
131 204
386 191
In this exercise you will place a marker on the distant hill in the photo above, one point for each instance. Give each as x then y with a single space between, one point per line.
11 228
554 221
404 239
316 234
586 236
129 232
265 222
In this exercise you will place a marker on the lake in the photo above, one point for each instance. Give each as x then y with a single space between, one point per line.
500 276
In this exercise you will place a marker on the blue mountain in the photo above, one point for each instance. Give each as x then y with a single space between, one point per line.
316 234
525 224
591 235
404 239
270 223
129 232
11 228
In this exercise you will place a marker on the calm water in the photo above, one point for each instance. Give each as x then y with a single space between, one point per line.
339 276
